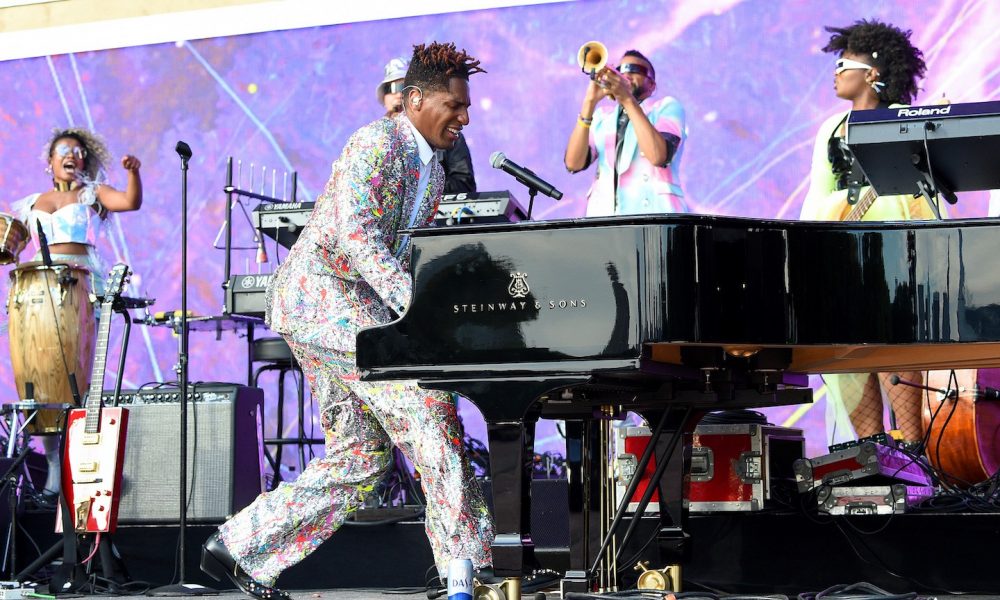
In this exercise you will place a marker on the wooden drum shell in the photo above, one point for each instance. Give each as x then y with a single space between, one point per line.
50 317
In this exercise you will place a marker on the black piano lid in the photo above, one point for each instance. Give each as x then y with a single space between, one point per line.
609 293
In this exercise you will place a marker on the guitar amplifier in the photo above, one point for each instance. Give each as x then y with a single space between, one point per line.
481 207
245 295
225 456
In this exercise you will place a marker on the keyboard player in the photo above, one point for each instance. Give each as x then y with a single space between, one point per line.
349 269
878 67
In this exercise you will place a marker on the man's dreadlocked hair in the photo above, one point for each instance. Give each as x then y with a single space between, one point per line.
899 62
432 66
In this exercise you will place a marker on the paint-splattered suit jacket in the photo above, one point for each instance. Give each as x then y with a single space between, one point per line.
350 265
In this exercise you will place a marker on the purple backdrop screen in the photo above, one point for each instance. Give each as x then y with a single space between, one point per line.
750 74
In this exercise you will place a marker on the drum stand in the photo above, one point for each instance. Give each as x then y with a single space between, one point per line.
11 481
12 487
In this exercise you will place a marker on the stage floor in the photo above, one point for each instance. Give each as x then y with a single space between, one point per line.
384 594
339 594
788 553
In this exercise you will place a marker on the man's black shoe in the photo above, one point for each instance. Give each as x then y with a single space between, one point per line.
218 563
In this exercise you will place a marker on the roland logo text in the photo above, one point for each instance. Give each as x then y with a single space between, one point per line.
923 111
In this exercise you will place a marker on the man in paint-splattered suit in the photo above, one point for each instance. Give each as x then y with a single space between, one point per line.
349 269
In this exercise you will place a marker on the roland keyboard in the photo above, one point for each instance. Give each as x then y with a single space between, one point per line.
957 144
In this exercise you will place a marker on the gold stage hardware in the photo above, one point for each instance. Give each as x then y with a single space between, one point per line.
509 589
667 578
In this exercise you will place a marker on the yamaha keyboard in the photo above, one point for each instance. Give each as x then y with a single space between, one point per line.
282 221
671 316
245 295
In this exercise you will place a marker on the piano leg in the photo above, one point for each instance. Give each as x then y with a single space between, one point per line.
582 437
673 540
510 408
511 452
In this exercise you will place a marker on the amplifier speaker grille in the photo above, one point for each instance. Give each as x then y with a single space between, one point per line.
224 457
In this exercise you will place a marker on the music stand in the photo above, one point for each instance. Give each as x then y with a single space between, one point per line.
928 150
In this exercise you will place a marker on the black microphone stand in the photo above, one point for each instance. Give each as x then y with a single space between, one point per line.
184 151
181 587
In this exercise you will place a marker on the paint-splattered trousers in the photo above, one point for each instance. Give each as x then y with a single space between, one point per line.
361 421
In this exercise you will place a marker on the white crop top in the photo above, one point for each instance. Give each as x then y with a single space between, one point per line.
74 223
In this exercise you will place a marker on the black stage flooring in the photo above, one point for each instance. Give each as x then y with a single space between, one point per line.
744 553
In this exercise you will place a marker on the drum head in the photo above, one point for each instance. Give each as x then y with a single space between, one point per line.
37 265
13 238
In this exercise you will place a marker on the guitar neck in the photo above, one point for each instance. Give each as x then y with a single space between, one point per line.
860 209
93 402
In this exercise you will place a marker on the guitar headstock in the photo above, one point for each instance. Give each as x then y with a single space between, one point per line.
117 281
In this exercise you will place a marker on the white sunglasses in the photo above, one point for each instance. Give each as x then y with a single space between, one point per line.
846 64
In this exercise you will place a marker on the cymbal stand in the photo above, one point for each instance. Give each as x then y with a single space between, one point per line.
235 191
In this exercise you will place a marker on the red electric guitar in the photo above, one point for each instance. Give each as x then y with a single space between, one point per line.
95 437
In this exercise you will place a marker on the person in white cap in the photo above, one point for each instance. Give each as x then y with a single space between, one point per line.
457 162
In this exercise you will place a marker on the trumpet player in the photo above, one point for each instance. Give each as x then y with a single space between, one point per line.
636 143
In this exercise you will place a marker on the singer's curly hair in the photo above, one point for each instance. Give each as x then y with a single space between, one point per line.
900 63
98 157
433 65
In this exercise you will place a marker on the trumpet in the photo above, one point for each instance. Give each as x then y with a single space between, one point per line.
592 57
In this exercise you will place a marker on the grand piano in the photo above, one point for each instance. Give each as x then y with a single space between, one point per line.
671 316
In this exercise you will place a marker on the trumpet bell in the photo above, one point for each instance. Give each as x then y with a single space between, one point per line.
592 57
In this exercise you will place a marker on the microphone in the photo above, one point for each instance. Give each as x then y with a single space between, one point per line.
525 176
987 393
897 380
183 150
43 243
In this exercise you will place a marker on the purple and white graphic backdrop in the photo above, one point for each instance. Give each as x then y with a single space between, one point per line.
750 74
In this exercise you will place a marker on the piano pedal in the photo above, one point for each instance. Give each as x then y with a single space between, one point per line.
509 589
666 579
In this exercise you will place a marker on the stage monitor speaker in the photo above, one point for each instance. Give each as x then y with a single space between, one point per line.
224 459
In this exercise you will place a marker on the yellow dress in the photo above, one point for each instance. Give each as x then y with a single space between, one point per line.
824 202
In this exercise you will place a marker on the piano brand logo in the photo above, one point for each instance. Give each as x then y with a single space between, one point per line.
923 111
518 287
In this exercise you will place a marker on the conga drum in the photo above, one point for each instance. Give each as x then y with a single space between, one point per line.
964 439
51 329
13 238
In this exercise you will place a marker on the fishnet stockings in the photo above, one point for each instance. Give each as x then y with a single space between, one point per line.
905 403
862 399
